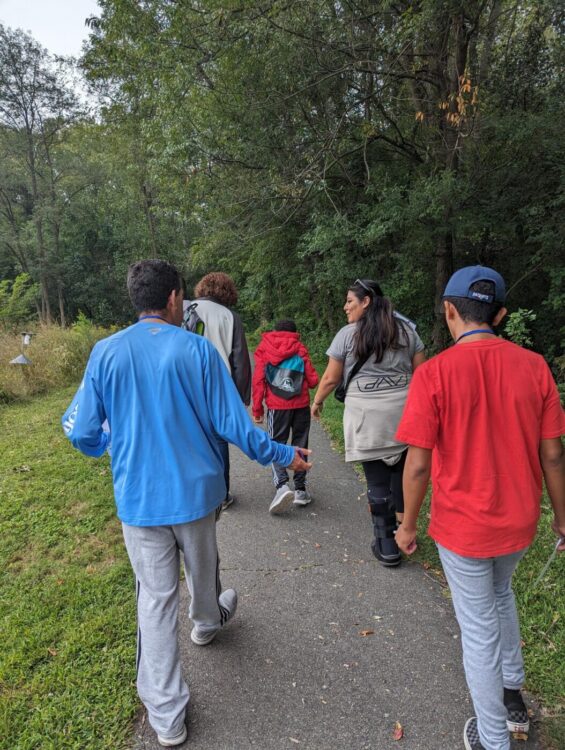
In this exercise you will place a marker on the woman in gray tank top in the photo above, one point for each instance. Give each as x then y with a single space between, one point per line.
375 356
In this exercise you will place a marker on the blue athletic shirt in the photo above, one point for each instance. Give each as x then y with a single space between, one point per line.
166 394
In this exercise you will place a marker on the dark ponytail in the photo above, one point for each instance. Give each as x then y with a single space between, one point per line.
378 328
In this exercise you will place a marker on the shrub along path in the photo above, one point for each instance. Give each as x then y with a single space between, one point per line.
328 649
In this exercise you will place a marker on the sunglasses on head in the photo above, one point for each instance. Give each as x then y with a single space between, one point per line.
365 287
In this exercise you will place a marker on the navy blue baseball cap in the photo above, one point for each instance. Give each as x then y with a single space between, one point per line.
459 285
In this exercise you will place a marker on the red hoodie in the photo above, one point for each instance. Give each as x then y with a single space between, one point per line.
276 346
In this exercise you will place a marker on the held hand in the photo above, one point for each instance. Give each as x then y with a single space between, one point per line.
298 462
406 540
258 420
316 410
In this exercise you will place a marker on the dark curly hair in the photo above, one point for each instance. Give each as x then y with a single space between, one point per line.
219 286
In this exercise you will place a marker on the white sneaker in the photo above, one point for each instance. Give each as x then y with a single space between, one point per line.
302 497
282 500
173 741
227 601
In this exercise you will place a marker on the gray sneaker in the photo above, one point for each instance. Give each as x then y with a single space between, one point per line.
282 500
302 497
227 601
178 739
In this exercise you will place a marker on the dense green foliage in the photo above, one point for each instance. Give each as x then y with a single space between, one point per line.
295 145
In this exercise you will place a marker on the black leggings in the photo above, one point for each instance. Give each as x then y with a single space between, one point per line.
384 480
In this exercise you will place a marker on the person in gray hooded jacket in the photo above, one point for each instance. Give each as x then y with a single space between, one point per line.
215 295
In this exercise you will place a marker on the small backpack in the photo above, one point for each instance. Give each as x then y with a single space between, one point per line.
285 379
191 321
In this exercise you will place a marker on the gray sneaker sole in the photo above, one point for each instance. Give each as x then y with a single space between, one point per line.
302 502
282 503
173 741
204 639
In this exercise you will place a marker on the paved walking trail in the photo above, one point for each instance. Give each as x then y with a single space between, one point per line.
292 670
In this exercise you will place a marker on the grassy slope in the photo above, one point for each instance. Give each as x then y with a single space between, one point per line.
541 609
67 608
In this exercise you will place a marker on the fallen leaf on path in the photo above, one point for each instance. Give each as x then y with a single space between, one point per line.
317 545
293 739
365 633
398 733
52 651
531 712
520 736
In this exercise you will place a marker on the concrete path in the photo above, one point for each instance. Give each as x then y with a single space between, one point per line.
328 649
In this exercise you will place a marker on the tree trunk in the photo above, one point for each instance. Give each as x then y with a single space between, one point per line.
46 316
61 300
41 252
453 67
147 205
444 269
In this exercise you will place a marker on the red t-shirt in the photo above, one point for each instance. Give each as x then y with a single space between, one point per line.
483 408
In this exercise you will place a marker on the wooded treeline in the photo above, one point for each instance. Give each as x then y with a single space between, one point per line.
297 145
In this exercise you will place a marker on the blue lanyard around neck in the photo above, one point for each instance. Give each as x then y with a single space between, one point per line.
475 330
156 317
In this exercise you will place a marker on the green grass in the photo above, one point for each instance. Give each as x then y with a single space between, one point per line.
67 605
541 608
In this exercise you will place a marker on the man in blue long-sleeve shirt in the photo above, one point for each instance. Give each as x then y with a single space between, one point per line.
166 395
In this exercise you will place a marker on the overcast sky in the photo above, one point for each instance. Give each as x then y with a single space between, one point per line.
55 24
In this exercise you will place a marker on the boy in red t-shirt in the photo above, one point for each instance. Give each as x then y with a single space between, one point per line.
282 377
489 413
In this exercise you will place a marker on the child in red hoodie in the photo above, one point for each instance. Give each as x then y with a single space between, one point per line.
282 376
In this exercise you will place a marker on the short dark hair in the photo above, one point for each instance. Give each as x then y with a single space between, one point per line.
150 282
286 325
471 310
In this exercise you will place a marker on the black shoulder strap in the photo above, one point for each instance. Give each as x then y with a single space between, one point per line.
354 370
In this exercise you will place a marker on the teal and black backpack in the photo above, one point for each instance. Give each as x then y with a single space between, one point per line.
286 379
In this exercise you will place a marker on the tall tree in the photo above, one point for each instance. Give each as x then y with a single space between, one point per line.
36 107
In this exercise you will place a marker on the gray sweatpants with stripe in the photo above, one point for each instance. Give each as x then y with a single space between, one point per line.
154 553
481 590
